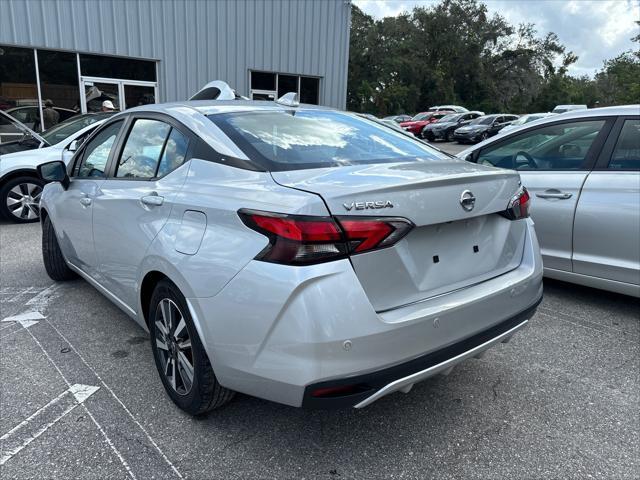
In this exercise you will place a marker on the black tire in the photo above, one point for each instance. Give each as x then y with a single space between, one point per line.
204 393
54 263
484 136
22 213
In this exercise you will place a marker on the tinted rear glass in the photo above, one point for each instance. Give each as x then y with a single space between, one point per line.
452 117
294 140
482 121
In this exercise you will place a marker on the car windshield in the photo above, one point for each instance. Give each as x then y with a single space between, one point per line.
293 140
62 130
523 120
452 117
482 120
421 116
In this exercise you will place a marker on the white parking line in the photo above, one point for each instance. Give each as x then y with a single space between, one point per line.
42 299
36 424
25 319
108 388
89 414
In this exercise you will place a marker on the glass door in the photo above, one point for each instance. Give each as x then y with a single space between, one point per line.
95 93
135 95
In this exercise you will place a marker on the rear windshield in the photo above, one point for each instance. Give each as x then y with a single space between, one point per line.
482 121
422 116
294 140
452 117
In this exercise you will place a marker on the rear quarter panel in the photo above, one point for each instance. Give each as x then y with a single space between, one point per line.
218 192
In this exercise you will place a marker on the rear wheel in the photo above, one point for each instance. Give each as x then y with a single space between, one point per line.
20 199
182 362
54 263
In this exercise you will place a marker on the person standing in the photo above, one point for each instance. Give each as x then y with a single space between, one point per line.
49 115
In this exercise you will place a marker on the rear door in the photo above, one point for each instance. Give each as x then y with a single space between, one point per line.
606 237
553 161
136 199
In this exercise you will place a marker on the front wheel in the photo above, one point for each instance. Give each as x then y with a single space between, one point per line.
450 136
182 362
20 199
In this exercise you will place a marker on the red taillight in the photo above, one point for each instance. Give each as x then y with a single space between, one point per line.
303 240
519 205
365 234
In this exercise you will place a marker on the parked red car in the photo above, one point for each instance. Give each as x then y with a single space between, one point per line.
417 123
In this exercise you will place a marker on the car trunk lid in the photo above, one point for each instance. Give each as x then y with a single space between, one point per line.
449 248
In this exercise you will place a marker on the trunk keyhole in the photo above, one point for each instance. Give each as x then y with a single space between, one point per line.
475 249
436 259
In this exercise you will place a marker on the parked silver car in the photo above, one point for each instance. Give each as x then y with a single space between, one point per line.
583 171
302 255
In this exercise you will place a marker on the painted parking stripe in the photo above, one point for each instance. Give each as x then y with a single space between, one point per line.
26 319
43 419
107 439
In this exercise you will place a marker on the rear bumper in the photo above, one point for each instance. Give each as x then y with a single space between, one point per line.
376 385
278 332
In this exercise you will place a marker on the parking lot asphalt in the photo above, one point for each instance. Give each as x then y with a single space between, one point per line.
80 398
450 147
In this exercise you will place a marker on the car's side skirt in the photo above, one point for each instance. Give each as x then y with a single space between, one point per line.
594 282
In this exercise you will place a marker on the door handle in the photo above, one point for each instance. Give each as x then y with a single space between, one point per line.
153 200
85 201
559 195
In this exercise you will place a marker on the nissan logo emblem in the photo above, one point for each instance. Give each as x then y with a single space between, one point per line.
467 201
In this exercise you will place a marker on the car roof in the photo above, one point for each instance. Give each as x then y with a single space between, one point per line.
576 114
601 112
212 107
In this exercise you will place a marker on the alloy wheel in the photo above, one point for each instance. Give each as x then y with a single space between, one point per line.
23 201
174 346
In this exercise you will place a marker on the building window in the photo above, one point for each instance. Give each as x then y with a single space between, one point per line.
310 90
18 90
263 81
271 86
286 84
117 67
59 81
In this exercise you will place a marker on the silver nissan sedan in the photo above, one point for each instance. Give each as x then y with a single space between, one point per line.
583 171
303 255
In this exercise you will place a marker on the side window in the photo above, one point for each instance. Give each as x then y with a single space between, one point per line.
142 150
555 147
95 155
174 153
626 154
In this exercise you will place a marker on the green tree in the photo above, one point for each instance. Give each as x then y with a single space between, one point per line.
455 52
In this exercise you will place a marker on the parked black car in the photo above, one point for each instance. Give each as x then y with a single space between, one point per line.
443 129
483 127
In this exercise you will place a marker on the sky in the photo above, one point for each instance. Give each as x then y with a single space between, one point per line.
595 30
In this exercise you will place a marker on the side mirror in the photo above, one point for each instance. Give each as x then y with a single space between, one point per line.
55 171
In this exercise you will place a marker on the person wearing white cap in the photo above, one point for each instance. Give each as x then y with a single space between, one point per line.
107 106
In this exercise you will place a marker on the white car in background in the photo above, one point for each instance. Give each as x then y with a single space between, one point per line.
20 186
523 120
